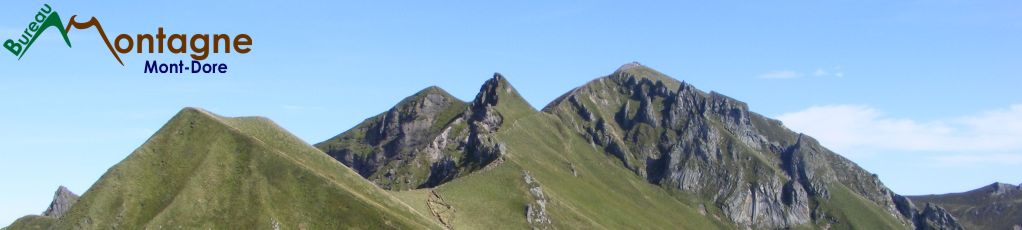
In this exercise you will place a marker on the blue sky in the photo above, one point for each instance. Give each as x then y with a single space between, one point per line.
923 93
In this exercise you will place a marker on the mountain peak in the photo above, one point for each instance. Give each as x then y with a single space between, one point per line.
432 93
196 111
634 72
635 68
63 190
493 88
630 65
999 188
63 199
630 75
433 90
497 92
187 110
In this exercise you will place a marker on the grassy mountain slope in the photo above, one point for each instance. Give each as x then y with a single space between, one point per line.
584 188
581 186
205 171
32 222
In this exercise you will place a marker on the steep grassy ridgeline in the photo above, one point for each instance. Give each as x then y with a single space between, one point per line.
205 171
996 206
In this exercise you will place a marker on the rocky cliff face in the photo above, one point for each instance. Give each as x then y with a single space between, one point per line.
426 139
63 199
536 212
758 172
935 217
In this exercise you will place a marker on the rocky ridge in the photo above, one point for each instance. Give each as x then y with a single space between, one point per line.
428 138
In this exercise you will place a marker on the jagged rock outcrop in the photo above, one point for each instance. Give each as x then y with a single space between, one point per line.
63 199
536 212
935 217
428 138
930 217
1001 189
758 172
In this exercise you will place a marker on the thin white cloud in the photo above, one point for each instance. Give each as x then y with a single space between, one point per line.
974 160
855 129
820 73
780 74
299 107
791 74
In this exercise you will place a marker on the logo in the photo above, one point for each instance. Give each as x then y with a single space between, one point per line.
197 46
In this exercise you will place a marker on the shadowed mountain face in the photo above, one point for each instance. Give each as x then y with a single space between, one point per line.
996 206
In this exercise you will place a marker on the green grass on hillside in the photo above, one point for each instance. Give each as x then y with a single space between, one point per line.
32 222
202 171
855 212
602 196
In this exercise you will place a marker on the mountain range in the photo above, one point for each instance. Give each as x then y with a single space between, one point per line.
996 206
635 149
